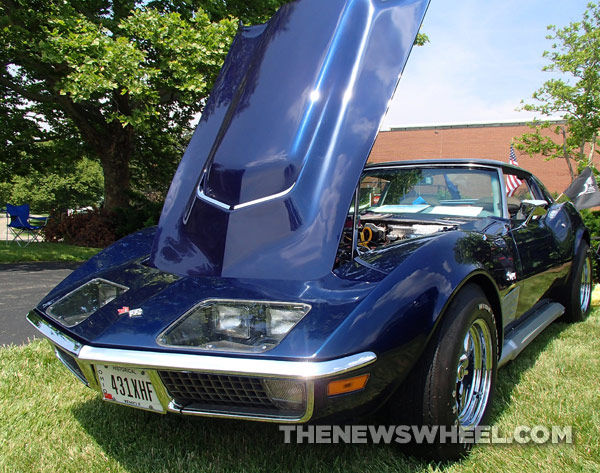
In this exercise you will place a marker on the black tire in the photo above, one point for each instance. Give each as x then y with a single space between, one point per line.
578 301
443 389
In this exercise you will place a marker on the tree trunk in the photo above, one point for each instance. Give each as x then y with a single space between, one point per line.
566 154
592 149
113 144
115 158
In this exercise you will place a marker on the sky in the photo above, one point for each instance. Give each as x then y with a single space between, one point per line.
483 58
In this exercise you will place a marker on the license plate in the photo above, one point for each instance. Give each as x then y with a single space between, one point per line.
128 386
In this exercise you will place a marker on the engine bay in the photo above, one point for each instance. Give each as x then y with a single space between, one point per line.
380 230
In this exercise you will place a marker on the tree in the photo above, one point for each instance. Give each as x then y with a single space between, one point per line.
117 81
43 164
56 190
538 143
575 94
248 12
124 78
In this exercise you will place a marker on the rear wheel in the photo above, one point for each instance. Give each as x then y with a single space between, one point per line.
452 385
579 288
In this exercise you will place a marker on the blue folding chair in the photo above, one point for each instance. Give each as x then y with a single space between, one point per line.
21 224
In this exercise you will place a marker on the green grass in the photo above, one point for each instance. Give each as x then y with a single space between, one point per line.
50 422
37 252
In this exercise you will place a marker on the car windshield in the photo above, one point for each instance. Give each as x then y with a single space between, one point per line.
431 192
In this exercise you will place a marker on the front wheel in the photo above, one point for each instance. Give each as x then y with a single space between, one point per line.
451 388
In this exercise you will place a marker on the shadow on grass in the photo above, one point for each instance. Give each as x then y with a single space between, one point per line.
511 374
39 266
143 441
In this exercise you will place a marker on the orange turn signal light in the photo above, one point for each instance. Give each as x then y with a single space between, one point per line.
349 385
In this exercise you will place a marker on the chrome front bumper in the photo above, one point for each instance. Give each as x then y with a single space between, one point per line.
81 360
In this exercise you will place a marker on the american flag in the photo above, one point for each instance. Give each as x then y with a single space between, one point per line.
512 181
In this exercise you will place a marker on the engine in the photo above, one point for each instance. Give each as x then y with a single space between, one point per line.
377 233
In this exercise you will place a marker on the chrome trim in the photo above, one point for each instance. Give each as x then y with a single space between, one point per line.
56 336
224 365
60 354
585 288
87 357
265 199
504 195
522 335
201 195
160 390
89 372
434 164
474 375
450 164
200 362
210 200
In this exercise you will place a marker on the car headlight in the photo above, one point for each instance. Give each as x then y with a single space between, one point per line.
236 326
78 305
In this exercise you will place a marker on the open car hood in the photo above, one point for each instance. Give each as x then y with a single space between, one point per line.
267 180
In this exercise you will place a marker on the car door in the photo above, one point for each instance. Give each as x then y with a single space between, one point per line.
539 256
560 222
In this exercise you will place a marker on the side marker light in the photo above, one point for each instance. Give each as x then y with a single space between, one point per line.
343 386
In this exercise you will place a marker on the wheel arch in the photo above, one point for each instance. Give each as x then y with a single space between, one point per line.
484 281
582 234
491 293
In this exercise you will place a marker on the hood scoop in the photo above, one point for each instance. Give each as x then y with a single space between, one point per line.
266 182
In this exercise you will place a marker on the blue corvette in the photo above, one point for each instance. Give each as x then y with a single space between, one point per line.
288 282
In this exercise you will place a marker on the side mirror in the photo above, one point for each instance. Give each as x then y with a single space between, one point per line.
534 209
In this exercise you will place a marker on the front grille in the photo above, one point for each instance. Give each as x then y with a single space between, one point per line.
218 390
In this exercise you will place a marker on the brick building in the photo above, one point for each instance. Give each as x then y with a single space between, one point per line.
487 141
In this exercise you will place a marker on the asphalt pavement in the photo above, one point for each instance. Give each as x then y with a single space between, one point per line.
22 286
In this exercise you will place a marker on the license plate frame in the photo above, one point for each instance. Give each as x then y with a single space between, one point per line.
128 386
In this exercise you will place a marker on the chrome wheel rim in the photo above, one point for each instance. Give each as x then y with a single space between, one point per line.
474 374
585 289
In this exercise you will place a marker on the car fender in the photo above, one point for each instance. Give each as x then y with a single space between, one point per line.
399 317
134 246
582 234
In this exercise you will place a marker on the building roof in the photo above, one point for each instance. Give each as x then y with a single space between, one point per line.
472 141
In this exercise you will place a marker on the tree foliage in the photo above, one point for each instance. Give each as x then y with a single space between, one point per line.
57 189
573 94
119 81
538 143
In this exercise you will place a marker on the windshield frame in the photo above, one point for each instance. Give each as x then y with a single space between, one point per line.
416 217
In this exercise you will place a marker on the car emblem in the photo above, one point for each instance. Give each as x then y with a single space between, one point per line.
132 312
136 312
